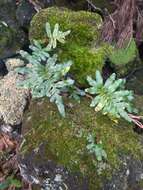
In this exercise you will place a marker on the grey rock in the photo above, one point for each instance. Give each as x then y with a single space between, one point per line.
12 38
13 63
128 177
12 99
24 13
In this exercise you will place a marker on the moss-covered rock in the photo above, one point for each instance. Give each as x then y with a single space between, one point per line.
67 138
82 45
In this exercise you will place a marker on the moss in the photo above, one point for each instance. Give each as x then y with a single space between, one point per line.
82 47
66 138
82 56
124 60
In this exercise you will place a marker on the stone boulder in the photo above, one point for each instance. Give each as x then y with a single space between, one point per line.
66 142
13 100
12 38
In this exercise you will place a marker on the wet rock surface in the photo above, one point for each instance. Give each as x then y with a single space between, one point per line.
128 177
47 174
12 38
24 13
135 81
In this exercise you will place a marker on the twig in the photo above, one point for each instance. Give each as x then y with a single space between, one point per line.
94 7
89 96
36 6
111 18
135 119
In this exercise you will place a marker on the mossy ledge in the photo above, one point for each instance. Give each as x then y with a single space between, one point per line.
83 45
66 138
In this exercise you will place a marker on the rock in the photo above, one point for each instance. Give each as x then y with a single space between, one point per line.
55 177
67 140
135 81
12 38
13 63
82 45
13 100
92 4
129 176
24 13
3 69
83 4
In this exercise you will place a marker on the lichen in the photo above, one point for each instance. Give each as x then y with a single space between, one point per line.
66 138
83 45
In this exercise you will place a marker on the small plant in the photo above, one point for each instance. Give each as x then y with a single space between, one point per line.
45 76
56 35
76 93
96 149
111 97
40 53
47 80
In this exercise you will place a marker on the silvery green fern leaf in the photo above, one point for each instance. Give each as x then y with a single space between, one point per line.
111 98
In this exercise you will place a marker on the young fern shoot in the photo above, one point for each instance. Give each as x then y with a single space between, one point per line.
55 36
40 53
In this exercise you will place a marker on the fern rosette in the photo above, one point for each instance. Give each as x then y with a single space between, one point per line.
47 80
111 97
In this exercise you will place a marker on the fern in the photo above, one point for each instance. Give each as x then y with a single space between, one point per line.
39 53
47 80
46 77
111 98
124 55
56 35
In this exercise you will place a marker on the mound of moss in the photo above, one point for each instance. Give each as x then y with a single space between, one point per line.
67 138
125 59
83 45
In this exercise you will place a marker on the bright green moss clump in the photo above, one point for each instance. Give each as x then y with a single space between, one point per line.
66 138
124 60
82 45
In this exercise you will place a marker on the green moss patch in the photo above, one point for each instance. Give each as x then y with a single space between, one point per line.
83 45
66 138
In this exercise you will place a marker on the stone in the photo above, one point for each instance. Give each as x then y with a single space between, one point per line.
13 100
13 63
24 13
12 37
66 141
